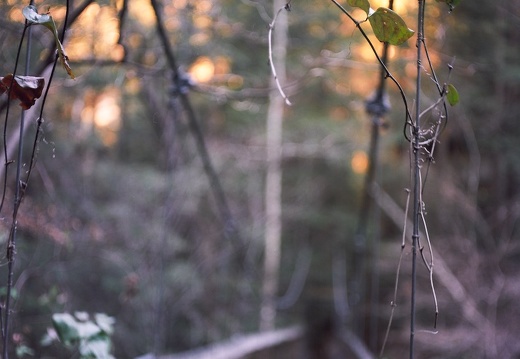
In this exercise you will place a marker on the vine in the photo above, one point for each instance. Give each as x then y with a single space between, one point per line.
27 89
422 135
388 29
387 26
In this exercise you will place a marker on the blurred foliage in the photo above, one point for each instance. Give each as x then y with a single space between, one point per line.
90 338
119 217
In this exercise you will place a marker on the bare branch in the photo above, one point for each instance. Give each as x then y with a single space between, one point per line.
271 62
445 275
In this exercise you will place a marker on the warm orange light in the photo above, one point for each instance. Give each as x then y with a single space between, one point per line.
362 84
102 113
118 53
94 34
359 162
172 23
316 30
107 113
199 39
338 113
179 4
142 11
343 88
15 15
365 52
400 7
235 82
391 52
202 21
58 13
203 5
202 70
132 84
222 65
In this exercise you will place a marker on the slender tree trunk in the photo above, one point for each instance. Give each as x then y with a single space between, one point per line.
416 174
273 189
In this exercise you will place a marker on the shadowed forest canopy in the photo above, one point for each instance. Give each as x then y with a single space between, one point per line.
121 215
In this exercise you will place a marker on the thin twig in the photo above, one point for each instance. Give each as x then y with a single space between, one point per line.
298 279
271 62
432 106
10 250
339 287
408 116
39 121
393 304
469 308
429 266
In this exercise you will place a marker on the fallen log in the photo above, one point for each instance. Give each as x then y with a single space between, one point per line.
240 347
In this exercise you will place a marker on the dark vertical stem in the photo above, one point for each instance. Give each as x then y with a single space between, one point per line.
230 229
417 174
11 242
21 185
376 107
6 155
360 248
122 19
373 325
231 232
39 121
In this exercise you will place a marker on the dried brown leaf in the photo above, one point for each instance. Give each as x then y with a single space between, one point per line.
24 88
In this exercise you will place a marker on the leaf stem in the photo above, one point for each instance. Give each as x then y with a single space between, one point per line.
408 117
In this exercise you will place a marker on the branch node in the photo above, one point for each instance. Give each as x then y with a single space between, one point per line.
181 84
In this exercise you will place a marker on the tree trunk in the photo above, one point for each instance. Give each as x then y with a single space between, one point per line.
273 189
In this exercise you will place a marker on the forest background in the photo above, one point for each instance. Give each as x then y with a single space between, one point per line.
120 217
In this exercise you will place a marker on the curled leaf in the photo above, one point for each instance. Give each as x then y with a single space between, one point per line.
64 60
24 88
452 95
389 27
31 14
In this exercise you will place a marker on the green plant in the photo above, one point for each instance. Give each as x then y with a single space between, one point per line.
91 338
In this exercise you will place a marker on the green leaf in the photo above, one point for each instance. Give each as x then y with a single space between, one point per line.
66 327
24 350
92 339
450 3
4 87
87 329
81 316
96 348
452 95
362 4
389 27
105 323
31 14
